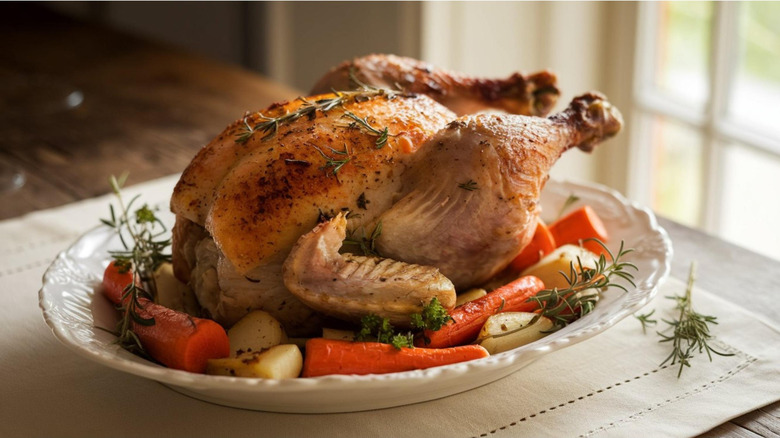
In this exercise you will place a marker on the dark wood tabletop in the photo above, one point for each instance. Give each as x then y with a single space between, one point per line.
146 108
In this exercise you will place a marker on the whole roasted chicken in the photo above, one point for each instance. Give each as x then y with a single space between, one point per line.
372 199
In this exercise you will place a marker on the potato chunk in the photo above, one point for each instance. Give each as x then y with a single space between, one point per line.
256 331
278 362
550 267
508 330
344 335
470 295
172 293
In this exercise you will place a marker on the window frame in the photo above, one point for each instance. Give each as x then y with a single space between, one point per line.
712 122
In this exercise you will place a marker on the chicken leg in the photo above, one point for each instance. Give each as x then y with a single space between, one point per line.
533 95
470 198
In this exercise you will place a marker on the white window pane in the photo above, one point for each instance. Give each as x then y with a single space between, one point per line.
682 54
756 90
677 171
750 209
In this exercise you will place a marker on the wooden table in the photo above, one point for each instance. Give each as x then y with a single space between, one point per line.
148 108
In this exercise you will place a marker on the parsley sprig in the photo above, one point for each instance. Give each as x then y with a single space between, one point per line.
375 328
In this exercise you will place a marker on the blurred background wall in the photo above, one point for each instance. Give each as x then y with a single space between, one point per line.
697 82
295 42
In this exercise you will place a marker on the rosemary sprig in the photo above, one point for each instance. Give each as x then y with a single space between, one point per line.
469 185
332 163
691 330
367 245
143 254
270 125
645 320
363 123
585 286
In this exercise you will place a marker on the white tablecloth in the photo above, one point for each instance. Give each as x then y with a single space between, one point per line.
611 385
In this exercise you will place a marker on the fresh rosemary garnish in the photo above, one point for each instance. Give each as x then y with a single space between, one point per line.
331 163
469 185
691 330
645 320
363 123
567 203
270 125
585 285
367 245
143 255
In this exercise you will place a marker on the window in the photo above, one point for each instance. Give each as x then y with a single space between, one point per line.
705 148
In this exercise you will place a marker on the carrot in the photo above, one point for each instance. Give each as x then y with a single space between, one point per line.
115 280
333 356
579 225
541 244
176 339
468 319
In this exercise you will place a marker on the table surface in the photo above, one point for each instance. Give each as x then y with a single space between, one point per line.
148 108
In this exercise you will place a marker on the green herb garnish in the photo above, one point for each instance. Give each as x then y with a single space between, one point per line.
585 285
270 125
367 245
363 123
376 329
691 330
143 253
645 320
469 185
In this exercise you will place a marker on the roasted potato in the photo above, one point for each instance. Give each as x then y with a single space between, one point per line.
508 330
256 331
344 335
278 362
470 295
172 293
550 267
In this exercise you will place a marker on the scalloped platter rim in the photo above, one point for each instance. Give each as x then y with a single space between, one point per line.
75 313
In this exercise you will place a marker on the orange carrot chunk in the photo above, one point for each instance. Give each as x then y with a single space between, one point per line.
176 339
579 225
541 244
468 319
115 280
332 356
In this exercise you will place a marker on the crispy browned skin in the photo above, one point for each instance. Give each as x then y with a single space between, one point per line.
257 198
470 199
531 95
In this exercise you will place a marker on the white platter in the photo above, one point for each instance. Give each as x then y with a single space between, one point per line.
74 311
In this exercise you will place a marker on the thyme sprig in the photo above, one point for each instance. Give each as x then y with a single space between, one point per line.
269 126
469 185
691 330
566 305
144 244
366 244
333 164
364 124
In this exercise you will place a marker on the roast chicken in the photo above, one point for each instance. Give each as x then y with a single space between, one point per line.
439 202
